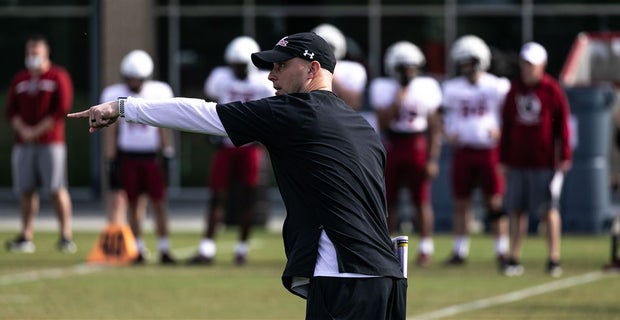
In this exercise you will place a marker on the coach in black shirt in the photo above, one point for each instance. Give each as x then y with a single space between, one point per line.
329 165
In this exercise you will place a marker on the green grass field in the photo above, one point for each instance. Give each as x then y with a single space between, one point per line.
51 285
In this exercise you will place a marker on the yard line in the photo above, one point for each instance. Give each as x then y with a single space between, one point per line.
53 273
512 296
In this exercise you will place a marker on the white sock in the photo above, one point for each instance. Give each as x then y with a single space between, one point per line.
140 244
207 248
242 248
426 246
163 244
461 246
502 245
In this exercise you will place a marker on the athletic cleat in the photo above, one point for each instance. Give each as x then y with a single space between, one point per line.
502 263
612 266
199 259
139 260
20 245
423 260
455 260
241 259
554 269
513 269
166 259
67 246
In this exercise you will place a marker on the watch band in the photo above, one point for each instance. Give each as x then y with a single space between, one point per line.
121 106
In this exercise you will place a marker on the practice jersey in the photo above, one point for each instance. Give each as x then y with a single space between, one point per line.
134 137
351 75
474 109
35 98
224 87
422 98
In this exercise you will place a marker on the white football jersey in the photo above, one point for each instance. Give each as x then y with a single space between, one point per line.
224 87
134 137
422 98
351 75
473 110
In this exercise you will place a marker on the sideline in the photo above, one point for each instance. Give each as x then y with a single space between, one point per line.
513 296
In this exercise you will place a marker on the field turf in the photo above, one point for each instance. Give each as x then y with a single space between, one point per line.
52 285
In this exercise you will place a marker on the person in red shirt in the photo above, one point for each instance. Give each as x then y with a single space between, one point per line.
38 101
535 153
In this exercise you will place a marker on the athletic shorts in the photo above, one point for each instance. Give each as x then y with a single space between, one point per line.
476 167
142 174
357 298
527 190
242 163
406 165
39 166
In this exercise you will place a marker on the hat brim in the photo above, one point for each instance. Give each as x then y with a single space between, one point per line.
265 59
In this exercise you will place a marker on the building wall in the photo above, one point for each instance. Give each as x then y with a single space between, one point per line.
125 26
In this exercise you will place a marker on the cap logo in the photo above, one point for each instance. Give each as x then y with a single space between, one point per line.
282 42
309 54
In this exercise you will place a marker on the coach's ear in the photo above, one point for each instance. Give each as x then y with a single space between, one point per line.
314 69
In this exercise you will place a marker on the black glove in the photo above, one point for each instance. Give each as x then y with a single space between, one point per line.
167 156
113 172
166 161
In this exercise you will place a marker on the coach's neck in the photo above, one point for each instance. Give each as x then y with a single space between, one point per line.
319 78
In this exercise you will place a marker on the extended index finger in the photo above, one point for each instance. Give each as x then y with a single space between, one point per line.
81 114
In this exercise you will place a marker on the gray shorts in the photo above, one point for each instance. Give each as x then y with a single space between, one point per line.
39 166
527 190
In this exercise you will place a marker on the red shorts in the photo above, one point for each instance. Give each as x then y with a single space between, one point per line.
243 163
142 174
476 167
406 165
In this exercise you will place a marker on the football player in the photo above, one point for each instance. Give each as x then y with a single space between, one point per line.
133 154
472 101
407 106
239 80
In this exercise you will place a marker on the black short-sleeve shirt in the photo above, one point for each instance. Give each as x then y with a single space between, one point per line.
329 166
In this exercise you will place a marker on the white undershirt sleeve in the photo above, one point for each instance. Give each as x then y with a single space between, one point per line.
185 114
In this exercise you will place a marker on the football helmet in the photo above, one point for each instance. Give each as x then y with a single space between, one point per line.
334 37
240 49
471 47
402 53
137 64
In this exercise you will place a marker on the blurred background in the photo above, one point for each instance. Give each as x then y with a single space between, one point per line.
187 38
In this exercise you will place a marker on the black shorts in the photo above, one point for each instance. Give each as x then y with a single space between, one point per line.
357 298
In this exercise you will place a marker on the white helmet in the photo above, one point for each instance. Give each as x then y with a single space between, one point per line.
240 50
402 53
137 64
468 47
334 37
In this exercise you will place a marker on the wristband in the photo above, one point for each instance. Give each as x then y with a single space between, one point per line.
121 106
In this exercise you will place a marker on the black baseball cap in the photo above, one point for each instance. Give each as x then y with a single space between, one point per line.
306 45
